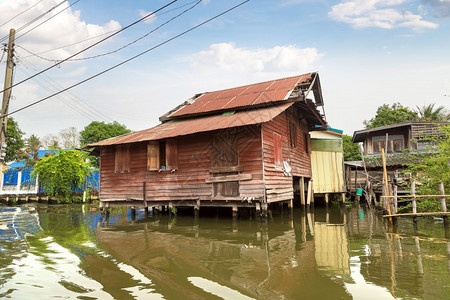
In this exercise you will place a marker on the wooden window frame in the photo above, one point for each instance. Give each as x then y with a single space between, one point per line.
162 155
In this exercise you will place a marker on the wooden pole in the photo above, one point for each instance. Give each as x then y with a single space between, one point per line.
443 203
414 203
302 190
386 185
6 96
308 198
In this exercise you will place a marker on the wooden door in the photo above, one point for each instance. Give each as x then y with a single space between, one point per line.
224 156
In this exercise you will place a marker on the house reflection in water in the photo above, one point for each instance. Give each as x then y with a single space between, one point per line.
256 260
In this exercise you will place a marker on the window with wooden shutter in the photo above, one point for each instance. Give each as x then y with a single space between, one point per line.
278 150
122 159
153 157
171 154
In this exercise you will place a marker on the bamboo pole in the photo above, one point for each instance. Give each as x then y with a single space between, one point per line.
386 184
443 204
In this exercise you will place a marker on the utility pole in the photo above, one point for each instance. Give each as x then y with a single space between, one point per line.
6 96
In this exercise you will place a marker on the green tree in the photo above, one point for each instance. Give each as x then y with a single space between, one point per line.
97 131
31 151
388 115
429 113
433 167
14 140
351 150
61 172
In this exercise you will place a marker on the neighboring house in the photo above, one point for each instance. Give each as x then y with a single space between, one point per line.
17 180
404 143
327 162
239 147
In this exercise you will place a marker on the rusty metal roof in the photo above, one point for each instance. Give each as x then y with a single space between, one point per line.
182 127
244 96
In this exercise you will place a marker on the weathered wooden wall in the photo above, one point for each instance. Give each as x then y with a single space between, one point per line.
328 172
279 186
188 181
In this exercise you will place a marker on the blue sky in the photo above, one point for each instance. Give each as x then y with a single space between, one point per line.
367 53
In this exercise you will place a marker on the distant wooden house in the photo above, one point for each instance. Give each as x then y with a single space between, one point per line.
404 143
327 162
239 147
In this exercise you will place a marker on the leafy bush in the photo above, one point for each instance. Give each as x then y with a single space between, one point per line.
59 174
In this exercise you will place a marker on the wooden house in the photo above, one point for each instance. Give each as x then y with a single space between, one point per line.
239 147
327 162
403 143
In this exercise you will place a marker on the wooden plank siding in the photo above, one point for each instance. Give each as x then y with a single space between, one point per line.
278 185
189 180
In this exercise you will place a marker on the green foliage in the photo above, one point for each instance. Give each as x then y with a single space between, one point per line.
14 140
388 115
433 168
97 131
429 113
30 153
351 150
59 173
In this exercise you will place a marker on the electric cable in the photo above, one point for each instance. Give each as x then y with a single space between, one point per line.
18 37
94 44
130 59
21 13
92 113
34 20
97 36
125 46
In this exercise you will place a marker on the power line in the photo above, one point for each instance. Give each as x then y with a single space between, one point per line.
45 21
91 112
87 48
21 13
34 20
132 58
127 45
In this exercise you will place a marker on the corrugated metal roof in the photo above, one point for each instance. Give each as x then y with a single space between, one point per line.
182 127
244 96
394 159
360 135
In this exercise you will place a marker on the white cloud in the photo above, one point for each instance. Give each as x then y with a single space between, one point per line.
150 19
64 29
385 14
440 8
226 57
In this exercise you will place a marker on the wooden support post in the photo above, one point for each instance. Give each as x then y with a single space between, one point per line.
386 183
258 208
235 211
343 198
308 198
302 190
443 203
197 209
326 199
291 204
414 203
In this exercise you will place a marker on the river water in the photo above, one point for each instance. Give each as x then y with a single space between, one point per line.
74 252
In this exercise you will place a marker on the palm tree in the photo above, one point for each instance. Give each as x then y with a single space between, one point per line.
429 113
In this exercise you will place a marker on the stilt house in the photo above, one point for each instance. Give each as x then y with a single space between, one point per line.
241 147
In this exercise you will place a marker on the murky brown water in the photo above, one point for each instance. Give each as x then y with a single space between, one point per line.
73 252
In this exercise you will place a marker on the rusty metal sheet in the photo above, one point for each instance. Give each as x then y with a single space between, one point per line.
238 97
176 128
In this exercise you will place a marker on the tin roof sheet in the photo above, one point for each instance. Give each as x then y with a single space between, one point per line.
183 127
243 96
